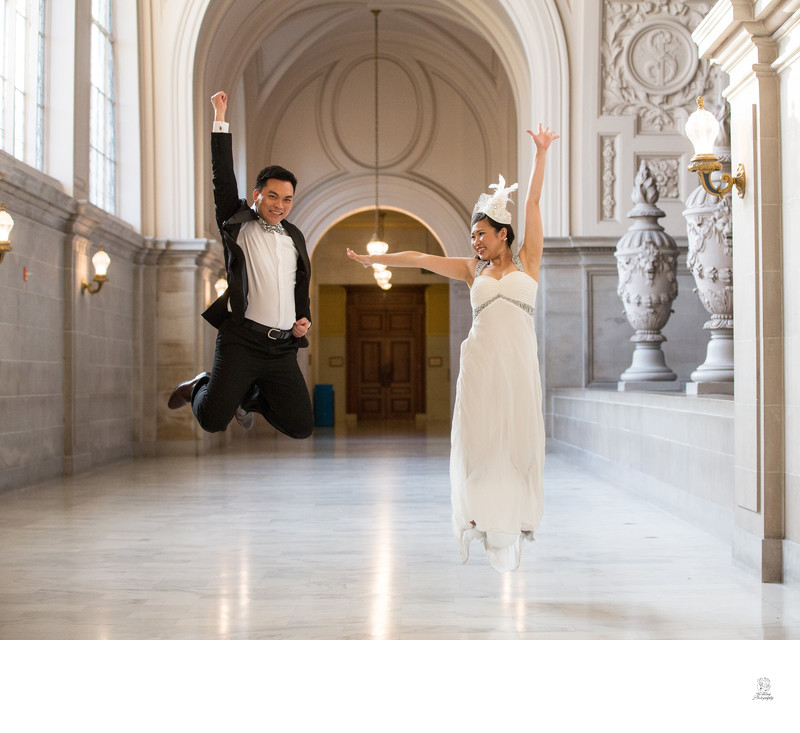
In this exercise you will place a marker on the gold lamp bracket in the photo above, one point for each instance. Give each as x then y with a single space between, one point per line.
94 286
705 165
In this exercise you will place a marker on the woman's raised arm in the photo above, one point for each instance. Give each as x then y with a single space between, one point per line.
530 251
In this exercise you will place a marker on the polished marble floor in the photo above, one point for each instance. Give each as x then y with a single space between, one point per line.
347 536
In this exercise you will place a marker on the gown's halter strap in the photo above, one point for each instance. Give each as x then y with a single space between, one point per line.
480 266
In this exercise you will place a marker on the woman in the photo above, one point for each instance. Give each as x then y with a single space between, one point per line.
497 439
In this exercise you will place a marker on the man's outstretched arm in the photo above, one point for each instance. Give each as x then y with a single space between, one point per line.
226 192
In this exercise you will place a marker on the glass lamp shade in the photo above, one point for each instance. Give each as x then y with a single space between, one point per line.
383 276
221 286
101 261
6 224
702 128
376 247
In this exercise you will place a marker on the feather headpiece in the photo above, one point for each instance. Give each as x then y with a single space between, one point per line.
495 205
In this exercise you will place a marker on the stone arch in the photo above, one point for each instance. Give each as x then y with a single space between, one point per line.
528 38
319 210
539 74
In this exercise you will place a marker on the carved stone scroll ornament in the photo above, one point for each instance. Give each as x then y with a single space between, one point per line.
609 178
647 267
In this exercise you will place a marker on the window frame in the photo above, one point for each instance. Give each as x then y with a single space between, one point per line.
22 81
103 163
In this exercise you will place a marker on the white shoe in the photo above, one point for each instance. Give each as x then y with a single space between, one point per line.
244 418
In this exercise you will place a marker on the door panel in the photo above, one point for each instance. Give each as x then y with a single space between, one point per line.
401 322
400 354
371 361
386 352
371 322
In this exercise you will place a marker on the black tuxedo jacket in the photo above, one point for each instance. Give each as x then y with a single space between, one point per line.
231 213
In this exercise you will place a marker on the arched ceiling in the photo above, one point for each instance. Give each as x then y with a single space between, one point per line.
468 55
236 33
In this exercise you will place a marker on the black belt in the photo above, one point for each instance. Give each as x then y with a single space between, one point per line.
274 334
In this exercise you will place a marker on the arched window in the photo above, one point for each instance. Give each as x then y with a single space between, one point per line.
22 80
102 137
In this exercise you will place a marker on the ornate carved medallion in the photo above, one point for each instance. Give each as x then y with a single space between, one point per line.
650 68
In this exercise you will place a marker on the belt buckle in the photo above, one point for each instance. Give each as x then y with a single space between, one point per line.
270 336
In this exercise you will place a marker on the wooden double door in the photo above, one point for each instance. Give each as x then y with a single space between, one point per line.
386 352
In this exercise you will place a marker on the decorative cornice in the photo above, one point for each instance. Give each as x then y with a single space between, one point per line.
201 252
723 19
733 24
92 223
31 194
35 196
593 245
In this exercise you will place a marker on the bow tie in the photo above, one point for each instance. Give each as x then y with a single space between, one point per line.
277 228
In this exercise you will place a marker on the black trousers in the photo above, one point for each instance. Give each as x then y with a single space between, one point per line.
261 375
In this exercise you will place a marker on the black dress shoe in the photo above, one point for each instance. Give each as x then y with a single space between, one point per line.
182 394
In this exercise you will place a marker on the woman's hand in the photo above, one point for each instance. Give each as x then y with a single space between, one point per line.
365 260
543 138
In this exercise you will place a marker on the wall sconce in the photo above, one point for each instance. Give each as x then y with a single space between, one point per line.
100 262
6 225
702 129
221 286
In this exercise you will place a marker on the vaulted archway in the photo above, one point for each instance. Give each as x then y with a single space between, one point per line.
511 54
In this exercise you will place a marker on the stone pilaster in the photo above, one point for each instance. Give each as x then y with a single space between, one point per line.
741 37
98 369
177 278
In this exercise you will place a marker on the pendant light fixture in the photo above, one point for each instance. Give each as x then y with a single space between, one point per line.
376 245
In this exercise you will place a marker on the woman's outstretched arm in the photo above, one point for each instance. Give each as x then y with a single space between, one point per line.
456 268
530 251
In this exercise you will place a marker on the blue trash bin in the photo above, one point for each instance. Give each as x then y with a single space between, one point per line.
323 405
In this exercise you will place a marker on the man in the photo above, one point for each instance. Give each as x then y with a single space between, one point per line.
264 315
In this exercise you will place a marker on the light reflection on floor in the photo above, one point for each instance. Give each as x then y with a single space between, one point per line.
347 536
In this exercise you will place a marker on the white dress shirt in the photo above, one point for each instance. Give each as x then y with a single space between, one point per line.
271 261
271 274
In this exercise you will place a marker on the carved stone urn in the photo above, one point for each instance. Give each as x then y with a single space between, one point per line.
647 266
710 260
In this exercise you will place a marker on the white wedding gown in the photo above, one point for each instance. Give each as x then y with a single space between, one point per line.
497 439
